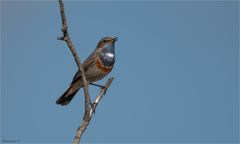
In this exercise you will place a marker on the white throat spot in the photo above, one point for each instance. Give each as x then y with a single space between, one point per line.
111 55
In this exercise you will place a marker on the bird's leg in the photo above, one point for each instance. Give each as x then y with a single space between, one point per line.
102 87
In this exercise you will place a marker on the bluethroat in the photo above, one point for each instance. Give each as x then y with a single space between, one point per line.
96 66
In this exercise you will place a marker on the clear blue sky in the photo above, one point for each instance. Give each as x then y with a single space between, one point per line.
176 74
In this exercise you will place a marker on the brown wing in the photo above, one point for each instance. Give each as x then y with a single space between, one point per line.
76 77
87 63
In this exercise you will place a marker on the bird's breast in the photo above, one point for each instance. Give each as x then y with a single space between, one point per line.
97 71
100 65
107 58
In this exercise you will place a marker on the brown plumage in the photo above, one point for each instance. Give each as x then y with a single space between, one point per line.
96 67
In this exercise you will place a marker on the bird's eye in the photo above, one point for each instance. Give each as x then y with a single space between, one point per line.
104 41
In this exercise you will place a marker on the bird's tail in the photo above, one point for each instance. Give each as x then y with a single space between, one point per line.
67 96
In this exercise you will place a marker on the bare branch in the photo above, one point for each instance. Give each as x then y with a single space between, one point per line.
67 39
100 95
88 111
85 122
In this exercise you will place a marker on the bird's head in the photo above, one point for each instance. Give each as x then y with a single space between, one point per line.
106 50
106 42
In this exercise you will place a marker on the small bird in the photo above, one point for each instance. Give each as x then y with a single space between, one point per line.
96 66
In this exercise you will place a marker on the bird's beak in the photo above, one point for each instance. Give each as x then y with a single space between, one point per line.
115 39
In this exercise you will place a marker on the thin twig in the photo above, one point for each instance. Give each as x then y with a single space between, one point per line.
85 122
100 95
88 111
